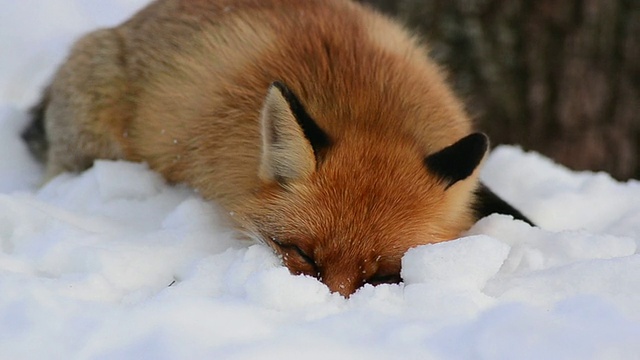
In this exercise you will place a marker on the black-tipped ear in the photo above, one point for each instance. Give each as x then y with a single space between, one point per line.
487 203
456 162
291 140
318 139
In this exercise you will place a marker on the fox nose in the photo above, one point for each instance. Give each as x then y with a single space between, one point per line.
344 285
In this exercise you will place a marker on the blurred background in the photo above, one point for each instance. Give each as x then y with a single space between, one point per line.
558 77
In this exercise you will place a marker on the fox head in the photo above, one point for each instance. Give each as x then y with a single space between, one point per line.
346 208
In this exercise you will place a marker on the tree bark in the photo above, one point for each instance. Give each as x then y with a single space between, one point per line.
558 77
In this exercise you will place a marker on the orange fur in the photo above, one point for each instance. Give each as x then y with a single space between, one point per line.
184 85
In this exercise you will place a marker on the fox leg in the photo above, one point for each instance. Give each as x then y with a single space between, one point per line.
487 203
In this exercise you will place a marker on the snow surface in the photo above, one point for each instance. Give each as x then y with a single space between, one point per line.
115 264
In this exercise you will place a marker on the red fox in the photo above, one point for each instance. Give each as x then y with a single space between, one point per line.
321 126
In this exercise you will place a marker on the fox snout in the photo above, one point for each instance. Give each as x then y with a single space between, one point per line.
341 272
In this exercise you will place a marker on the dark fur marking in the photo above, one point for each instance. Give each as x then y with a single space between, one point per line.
487 203
456 162
315 135
35 134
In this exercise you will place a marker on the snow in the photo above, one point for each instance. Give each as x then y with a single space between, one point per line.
114 263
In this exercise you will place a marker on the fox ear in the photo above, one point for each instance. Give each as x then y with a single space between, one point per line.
456 162
291 140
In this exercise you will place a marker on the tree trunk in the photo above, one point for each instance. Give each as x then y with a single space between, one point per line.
558 77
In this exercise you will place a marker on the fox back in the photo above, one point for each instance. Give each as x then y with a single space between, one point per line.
321 126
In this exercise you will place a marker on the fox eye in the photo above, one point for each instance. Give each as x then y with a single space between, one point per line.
378 279
292 247
303 255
